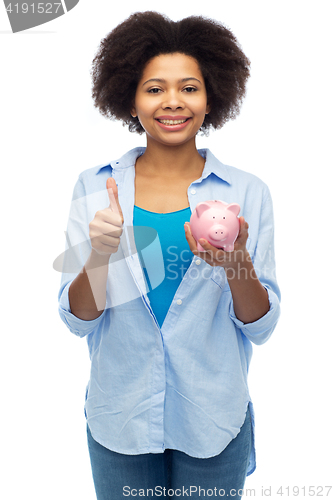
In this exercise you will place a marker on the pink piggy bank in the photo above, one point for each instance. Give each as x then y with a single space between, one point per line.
217 222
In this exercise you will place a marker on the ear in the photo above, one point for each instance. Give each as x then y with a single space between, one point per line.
133 111
201 208
208 105
234 208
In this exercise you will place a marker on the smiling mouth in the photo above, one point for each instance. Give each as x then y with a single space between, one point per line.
172 122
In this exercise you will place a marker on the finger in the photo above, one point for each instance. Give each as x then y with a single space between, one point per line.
243 233
109 240
112 189
207 255
104 249
243 227
111 228
190 240
214 253
105 218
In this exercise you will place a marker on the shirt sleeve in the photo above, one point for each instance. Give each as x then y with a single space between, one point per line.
78 326
263 260
77 251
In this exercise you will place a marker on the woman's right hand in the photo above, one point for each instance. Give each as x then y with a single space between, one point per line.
107 226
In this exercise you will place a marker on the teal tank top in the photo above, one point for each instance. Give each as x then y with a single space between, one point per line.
177 255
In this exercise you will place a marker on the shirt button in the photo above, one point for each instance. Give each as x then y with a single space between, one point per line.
179 302
198 262
193 191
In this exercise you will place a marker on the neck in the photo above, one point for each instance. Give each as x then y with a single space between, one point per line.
171 161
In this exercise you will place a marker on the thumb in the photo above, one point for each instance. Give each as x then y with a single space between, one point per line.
112 189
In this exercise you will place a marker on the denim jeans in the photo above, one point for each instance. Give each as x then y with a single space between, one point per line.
172 473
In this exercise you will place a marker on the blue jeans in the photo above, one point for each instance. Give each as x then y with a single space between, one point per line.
172 473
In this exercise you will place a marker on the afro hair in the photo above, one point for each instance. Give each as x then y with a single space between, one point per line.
123 54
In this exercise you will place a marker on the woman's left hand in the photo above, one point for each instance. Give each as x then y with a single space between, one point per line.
216 256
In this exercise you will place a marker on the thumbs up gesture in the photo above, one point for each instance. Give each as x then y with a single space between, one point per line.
107 226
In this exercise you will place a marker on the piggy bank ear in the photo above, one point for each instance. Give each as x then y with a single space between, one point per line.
201 208
234 208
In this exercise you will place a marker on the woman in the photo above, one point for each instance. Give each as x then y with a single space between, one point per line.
169 329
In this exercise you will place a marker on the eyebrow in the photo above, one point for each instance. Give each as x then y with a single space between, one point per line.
161 80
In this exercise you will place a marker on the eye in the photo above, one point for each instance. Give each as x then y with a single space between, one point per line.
223 217
189 90
154 90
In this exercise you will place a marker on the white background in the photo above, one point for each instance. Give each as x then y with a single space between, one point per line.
51 132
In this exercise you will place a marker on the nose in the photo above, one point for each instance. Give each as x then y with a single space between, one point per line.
173 100
218 232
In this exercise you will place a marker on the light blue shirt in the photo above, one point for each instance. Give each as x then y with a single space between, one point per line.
182 386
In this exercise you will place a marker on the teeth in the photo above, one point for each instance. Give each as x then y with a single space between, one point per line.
172 122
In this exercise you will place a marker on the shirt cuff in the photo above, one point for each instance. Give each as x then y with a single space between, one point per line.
259 331
78 326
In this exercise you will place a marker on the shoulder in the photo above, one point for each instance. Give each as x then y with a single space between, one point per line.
92 180
246 179
125 161
91 173
235 177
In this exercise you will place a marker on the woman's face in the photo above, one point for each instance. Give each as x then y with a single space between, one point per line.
171 99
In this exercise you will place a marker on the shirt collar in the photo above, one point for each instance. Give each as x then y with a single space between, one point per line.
212 164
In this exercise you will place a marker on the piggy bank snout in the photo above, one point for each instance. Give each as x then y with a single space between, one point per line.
218 232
